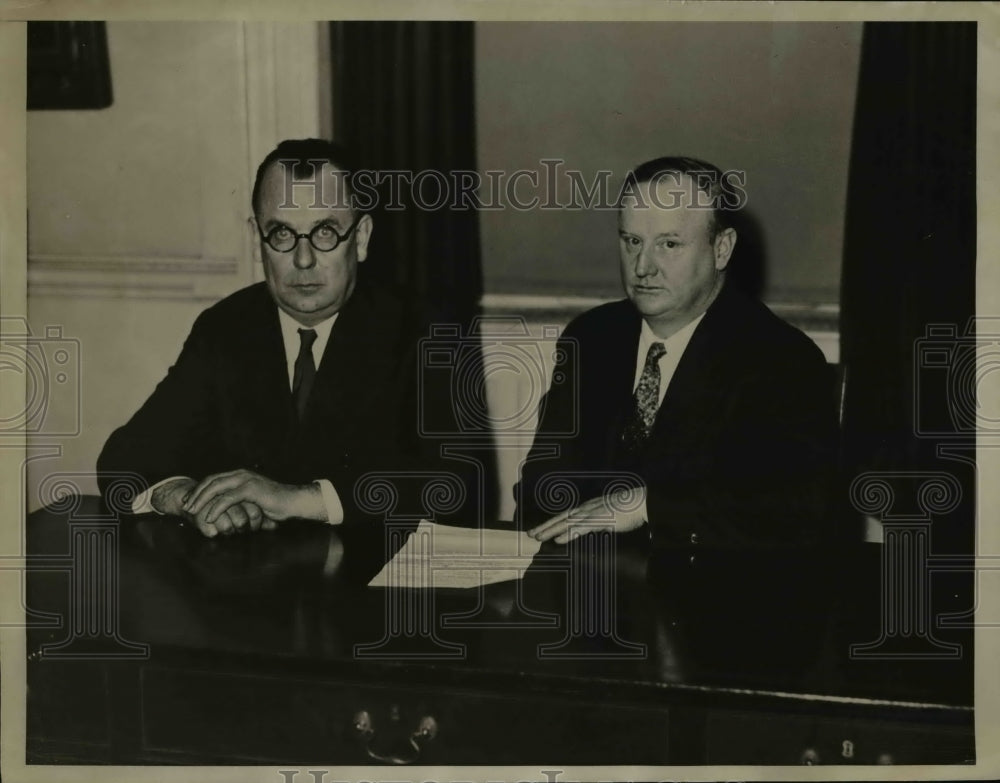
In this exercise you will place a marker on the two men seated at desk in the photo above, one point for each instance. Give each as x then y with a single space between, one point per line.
716 414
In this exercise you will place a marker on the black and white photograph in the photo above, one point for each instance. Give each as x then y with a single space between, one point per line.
535 393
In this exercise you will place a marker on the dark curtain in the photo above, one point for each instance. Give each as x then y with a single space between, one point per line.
404 101
909 255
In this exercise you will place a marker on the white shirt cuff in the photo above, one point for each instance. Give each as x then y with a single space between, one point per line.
143 502
331 500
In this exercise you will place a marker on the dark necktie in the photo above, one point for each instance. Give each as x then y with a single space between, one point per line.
645 400
305 371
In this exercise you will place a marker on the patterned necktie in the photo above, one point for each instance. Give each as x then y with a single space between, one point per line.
645 400
305 371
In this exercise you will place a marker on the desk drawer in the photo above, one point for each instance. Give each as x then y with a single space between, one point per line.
243 717
754 738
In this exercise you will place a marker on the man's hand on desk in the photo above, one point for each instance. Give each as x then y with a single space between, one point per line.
217 495
243 516
619 512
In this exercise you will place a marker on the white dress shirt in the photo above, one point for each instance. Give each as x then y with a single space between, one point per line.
675 345
291 340
290 336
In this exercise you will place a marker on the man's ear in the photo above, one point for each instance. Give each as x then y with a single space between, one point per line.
254 240
724 243
362 235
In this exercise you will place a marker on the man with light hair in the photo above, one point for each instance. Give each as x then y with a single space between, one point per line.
703 417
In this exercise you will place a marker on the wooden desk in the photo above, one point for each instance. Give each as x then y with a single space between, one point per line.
269 648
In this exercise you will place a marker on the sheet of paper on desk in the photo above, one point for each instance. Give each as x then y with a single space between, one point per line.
447 556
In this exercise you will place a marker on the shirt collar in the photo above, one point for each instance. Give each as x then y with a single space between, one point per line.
675 344
290 332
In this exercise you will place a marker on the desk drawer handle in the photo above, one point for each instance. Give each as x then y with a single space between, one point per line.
364 732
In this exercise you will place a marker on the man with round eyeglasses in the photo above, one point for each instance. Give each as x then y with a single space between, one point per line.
286 392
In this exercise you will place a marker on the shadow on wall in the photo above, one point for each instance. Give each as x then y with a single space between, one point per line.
748 266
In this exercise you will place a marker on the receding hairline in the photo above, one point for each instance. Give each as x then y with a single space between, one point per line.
662 178
645 174
290 165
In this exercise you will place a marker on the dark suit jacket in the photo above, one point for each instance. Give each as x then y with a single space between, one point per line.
226 402
742 451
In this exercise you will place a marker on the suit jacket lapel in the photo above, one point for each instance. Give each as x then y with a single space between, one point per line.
617 366
691 397
261 376
354 359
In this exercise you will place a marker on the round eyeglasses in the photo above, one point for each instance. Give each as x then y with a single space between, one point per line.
324 237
